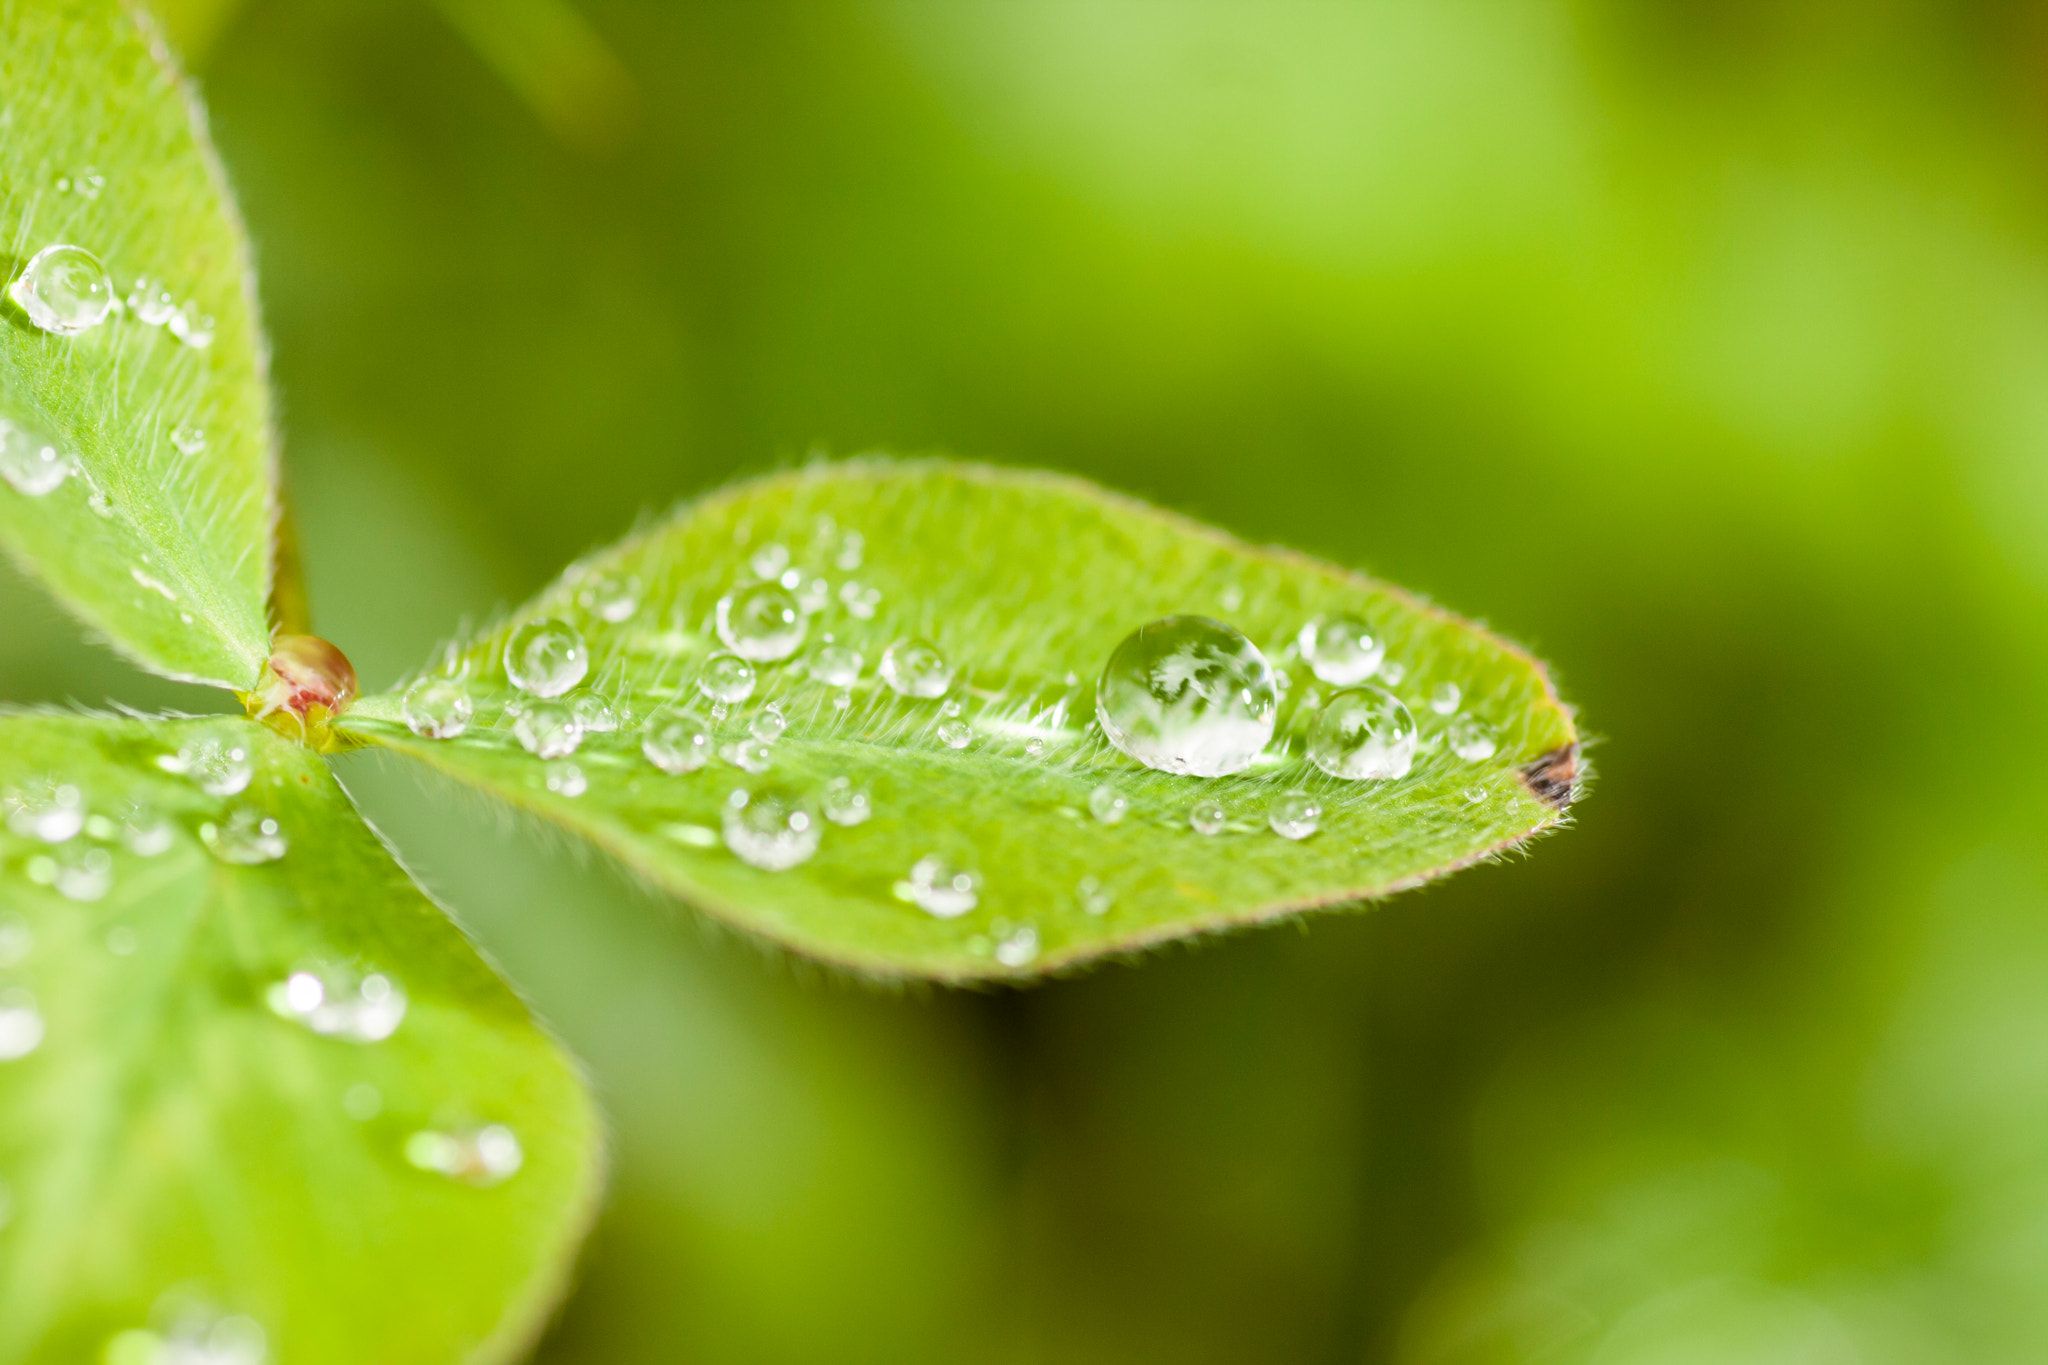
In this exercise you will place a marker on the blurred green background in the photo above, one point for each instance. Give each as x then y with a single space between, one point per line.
1702 346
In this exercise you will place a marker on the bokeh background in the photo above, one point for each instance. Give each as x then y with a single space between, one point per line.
1701 346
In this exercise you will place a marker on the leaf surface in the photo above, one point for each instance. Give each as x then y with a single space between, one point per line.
159 539
1025 583
191 1145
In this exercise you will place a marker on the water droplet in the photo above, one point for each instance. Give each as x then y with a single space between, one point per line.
1363 733
362 1101
859 600
83 874
768 724
146 832
192 327
1108 805
1208 817
188 440
679 742
1474 795
836 665
769 561
915 668
86 183
1341 649
567 779
46 809
1392 671
956 734
1295 815
1033 748
727 679
1231 598
851 546
814 596
762 623
17 940
21 1024
489 1155
748 755
1018 947
31 463
438 708
150 302
845 804
64 289
1445 697
938 888
594 713
771 830
949 708
609 596
337 1001
547 729
246 837
1095 898
546 658
191 1333
1188 695
121 940
1471 739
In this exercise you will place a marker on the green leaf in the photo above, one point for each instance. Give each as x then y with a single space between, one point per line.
183 1145
1026 582
163 550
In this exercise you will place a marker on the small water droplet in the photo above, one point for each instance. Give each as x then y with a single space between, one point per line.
1108 805
337 1001
679 742
21 1024
915 668
188 440
1471 739
32 464
64 289
938 888
566 779
438 708
1231 598
851 547
1018 947
836 665
1341 649
769 561
150 302
1207 817
484 1156
727 679
246 837
86 183
771 830
1033 748
1445 697
1474 795
1295 815
846 804
956 734
546 658
122 941
949 708
594 713
610 596
192 327
547 729
17 940
1188 695
814 596
748 755
362 1101
859 600
145 831
768 723
1363 733
1095 898
45 808
762 623
82 874
1392 671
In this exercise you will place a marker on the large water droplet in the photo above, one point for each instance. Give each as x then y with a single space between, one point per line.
64 289
337 1001
771 830
916 668
847 804
1471 739
217 766
677 743
1341 649
727 679
938 888
484 1156
1108 805
21 1024
1295 815
762 622
546 658
1363 733
1018 947
1207 817
547 729
610 596
1188 695
45 808
246 837
438 708
836 665
31 463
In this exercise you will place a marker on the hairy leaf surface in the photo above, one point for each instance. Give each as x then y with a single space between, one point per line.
1026 583
192 1146
159 539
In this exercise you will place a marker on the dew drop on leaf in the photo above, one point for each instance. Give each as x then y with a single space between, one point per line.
769 561
727 679
1392 671
846 804
1094 897
21 1024
567 779
596 715
82 874
610 597
955 734
748 755
771 830
336 1001
191 1333
836 665
1018 947
64 289
762 623
1363 733
940 889
192 327
1295 815
188 440
1108 805
217 766
768 724
915 668
1341 649
858 600
547 729
150 302
484 1156
46 809
146 832
546 658
31 463
1471 739
246 837
678 742
1445 697
1207 817
438 708
1188 695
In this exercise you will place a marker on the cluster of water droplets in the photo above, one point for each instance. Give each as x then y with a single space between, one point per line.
66 290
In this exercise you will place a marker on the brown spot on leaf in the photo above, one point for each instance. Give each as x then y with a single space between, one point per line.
1554 778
